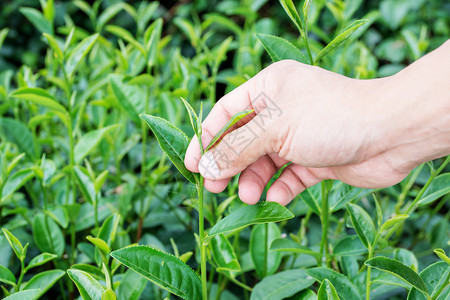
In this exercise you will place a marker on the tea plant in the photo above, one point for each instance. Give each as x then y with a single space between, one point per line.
90 207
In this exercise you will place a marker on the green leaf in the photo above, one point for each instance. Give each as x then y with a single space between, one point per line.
85 184
291 11
263 212
266 262
399 270
339 39
129 97
287 245
91 270
379 211
15 244
57 52
344 287
392 222
37 19
234 119
223 254
59 214
100 180
43 281
16 181
40 260
349 246
6 276
99 243
363 224
125 35
279 48
435 276
88 287
47 235
151 37
41 97
172 141
108 230
281 285
90 141
108 14
441 253
24 295
438 188
79 52
3 34
16 132
192 117
109 295
311 198
327 291
163 269
131 286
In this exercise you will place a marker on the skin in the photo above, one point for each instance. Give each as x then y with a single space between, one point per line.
367 133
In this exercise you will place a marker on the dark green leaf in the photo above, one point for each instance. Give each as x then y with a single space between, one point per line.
172 141
223 254
339 39
435 277
47 235
349 246
85 184
344 287
43 281
287 245
311 197
266 262
438 188
163 269
131 286
363 224
88 287
234 119
129 97
16 132
40 260
6 276
397 269
264 212
279 48
327 291
281 285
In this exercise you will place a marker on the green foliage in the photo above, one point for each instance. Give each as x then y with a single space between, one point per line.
81 178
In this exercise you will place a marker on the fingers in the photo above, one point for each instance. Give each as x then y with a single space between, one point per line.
293 180
236 101
254 179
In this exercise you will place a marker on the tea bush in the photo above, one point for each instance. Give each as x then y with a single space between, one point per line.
91 206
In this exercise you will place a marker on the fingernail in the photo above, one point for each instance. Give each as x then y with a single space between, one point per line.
208 166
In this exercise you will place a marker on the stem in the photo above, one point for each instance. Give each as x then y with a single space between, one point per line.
201 224
369 270
324 220
407 188
266 247
22 273
71 162
304 35
242 285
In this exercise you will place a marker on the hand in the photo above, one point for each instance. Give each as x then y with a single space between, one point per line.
325 125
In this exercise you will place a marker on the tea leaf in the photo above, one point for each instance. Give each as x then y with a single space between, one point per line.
15 244
399 270
362 223
85 184
40 260
279 48
266 262
287 245
442 255
108 14
311 198
16 181
435 276
438 188
281 285
192 116
224 255
79 52
126 35
128 97
90 141
88 287
291 11
59 214
163 269
151 37
339 39
91 270
327 291
109 229
131 286
57 52
37 19
379 212
16 132
172 141
349 246
41 97
99 243
47 235
344 287
264 212
109 295
43 281
234 119
392 222
3 34
6 276
27 294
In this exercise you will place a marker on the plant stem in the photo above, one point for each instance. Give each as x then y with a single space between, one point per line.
22 273
201 229
369 269
266 247
324 220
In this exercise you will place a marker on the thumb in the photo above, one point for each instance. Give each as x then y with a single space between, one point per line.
237 150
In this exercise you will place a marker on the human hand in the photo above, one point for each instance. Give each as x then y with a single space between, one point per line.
325 125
